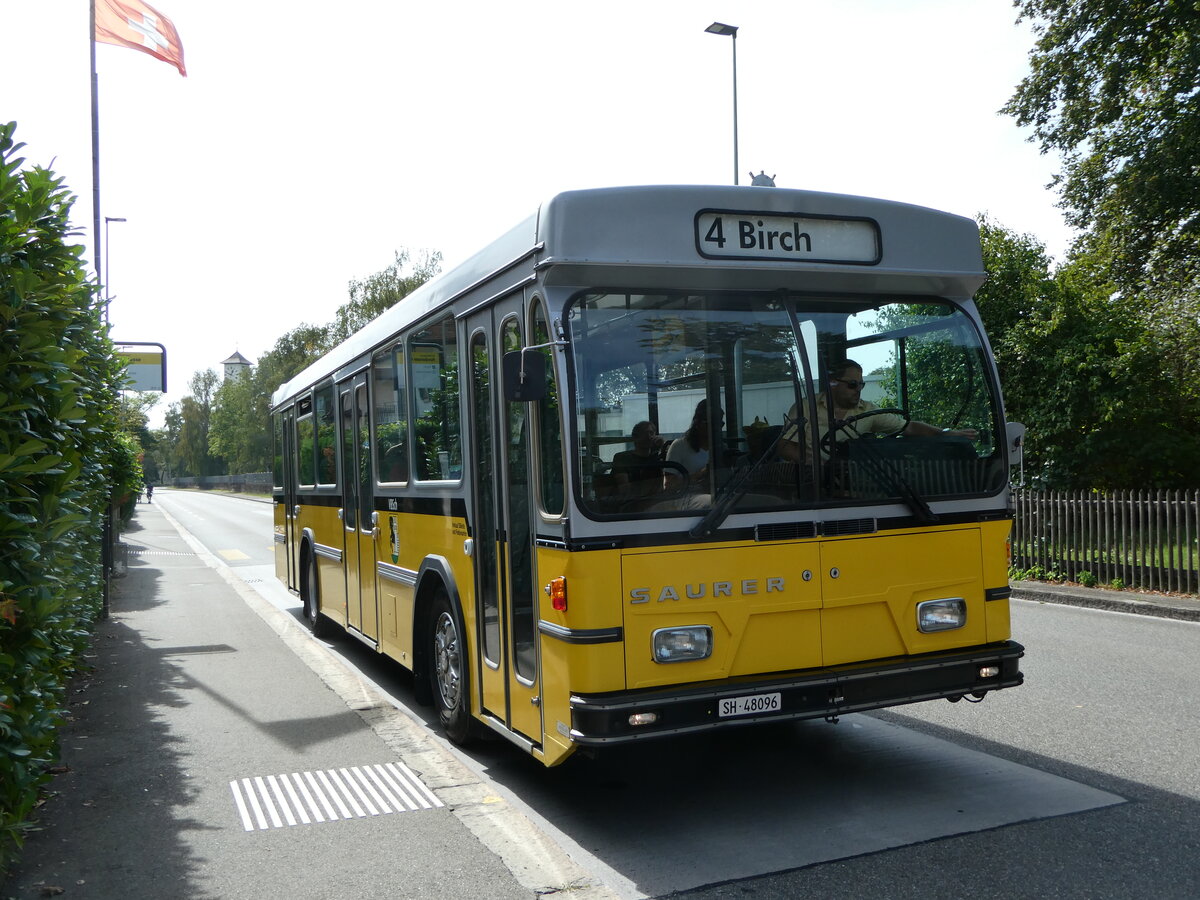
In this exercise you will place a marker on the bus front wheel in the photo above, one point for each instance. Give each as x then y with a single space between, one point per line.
317 623
448 675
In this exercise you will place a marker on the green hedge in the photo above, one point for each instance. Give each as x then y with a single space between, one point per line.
60 448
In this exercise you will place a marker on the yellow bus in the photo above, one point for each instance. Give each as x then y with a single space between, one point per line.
661 460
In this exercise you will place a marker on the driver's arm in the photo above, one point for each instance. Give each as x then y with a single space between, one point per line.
920 429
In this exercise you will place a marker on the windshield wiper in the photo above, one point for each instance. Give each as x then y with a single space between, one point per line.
883 474
735 488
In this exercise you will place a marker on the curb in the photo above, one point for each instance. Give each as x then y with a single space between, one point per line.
1162 606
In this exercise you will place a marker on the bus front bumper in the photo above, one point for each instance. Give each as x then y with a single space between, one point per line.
624 716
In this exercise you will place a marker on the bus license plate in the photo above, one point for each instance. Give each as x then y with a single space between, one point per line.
749 705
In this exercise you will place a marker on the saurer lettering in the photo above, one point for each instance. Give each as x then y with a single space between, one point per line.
716 589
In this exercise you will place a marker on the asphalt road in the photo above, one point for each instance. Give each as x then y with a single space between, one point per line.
1081 783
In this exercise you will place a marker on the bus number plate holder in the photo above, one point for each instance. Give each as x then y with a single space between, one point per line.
749 705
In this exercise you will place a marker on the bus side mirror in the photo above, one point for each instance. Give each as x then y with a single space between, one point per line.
1014 433
524 376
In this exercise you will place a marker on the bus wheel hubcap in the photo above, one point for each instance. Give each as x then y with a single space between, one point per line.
446 659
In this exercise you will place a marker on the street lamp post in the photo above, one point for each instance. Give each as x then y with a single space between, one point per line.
731 31
107 270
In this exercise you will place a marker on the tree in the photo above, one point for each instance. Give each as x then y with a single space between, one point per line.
238 427
382 291
292 353
191 451
1114 88
238 431
1084 371
166 439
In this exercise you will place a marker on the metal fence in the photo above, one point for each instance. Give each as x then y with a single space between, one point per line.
1141 539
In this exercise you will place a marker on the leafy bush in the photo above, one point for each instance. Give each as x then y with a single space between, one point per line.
57 448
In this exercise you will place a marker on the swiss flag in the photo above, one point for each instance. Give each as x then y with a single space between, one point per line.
139 26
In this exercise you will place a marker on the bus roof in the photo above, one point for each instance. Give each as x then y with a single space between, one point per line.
668 236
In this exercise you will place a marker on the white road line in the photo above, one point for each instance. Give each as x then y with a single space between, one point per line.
425 796
401 803
296 802
308 797
247 822
282 800
267 801
404 790
253 798
339 792
353 782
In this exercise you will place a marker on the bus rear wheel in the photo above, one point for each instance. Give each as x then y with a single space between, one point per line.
448 676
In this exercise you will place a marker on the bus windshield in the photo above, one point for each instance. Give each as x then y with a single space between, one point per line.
686 403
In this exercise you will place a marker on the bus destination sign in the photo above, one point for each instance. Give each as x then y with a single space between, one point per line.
732 234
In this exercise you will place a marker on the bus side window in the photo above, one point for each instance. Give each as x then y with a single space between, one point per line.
306 450
277 451
391 416
433 370
326 437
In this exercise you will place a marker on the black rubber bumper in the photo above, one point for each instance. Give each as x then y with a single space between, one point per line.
811 694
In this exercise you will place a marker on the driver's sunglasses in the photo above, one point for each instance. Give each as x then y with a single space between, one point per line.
853 385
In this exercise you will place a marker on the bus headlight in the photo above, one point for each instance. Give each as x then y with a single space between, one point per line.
941 615
682 644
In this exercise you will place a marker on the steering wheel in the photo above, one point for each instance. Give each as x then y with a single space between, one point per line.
829 443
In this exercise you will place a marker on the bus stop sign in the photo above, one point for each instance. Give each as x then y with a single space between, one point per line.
145 366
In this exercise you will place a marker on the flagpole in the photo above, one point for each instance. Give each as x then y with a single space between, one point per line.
95 145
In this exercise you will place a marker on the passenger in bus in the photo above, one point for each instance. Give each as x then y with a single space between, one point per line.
691 451
328 473
844 390
639 471
395 463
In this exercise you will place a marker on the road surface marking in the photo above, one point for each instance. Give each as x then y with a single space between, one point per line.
298 799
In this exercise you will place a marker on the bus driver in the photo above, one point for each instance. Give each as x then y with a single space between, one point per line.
845 389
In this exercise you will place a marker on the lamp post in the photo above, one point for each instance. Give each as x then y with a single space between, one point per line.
107 270
731 31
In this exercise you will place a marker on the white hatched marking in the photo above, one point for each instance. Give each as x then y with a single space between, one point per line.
397 805
308 797
349 791
276 801
320 795
405 795
331 792
361 784
295 799
427 798
281 800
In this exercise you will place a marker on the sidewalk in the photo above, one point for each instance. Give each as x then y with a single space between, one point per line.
193 696
1167 606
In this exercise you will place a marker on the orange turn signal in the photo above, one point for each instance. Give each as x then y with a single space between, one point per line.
557 589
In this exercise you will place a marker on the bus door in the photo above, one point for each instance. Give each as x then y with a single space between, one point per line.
286 515
506 660
359 519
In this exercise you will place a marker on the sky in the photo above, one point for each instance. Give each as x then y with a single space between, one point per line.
312 141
